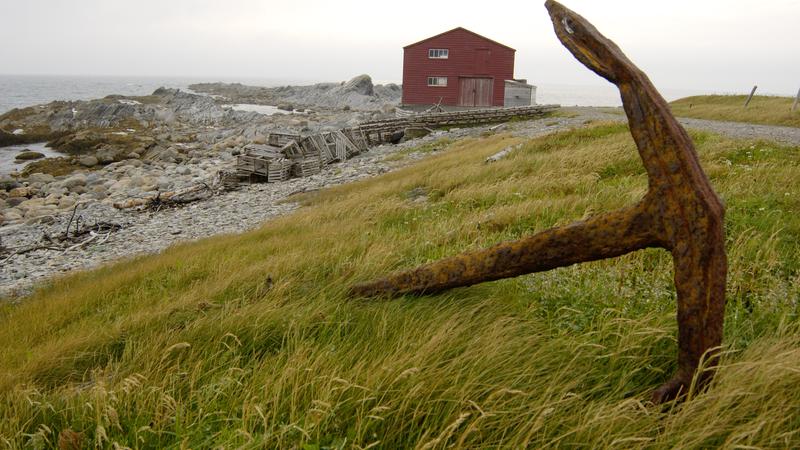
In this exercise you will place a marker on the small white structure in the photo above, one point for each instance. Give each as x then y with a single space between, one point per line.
519 93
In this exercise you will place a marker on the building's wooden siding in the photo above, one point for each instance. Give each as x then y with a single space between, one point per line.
470 56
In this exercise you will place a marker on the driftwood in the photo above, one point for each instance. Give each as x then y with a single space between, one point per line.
680 213
14 252
502 153
172 198
81 236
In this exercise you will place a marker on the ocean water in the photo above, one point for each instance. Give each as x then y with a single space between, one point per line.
599 95
9 163
19 91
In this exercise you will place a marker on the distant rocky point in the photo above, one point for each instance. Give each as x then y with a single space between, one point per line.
357 94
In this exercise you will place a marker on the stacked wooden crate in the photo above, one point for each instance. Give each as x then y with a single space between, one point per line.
306 166
316 144
290 154
344 148
357 137
230 179
279 170
279 139
292 149
263 161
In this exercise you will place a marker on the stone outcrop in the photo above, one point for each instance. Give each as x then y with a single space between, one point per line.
359 93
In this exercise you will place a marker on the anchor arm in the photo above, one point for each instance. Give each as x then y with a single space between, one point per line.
604 236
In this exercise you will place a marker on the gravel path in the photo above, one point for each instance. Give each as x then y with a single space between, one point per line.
231 212
739 130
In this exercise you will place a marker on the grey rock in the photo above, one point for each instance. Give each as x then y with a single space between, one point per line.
137 181
133 162
105 156
73 181
28 155
361 84
66 202
88 161
41 219
52 199
8 184
12 215
41 178
55 188
22 191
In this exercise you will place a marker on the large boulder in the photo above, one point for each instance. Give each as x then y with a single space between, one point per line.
165 154
105 155
88 161
74 181
361 84
41 178
22 191
27 205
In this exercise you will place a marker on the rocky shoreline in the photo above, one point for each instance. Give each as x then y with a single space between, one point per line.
119 149
228 212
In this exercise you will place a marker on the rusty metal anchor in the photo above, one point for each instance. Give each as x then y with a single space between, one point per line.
680 213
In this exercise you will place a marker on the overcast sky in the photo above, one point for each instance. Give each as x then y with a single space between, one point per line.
710 45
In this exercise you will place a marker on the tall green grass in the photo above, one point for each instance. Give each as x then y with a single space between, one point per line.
763 109
248 340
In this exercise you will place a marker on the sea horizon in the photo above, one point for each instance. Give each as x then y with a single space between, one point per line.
20 91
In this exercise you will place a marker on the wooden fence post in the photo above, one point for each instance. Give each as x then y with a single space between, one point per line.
796 101
750 97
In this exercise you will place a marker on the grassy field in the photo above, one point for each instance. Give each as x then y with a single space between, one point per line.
248 340
765 110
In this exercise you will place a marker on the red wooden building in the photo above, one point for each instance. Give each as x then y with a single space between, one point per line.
458 67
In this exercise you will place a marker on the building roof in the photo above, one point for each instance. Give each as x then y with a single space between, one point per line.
462 29
523 83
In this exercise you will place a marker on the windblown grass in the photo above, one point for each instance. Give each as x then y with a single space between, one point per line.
765 110
248 341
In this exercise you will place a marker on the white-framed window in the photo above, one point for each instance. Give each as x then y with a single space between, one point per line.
438 53
437 81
